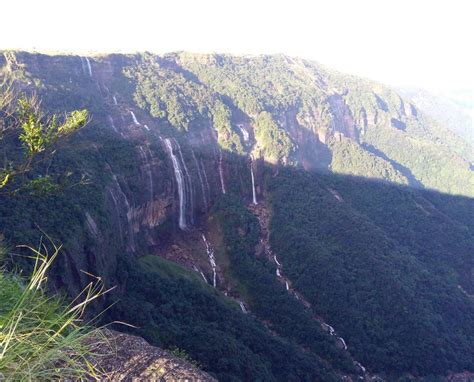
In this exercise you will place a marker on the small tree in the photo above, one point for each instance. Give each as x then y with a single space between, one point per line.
21 118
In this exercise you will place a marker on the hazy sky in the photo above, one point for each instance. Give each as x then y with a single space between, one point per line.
400 42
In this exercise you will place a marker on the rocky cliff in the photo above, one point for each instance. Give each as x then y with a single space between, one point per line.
180 145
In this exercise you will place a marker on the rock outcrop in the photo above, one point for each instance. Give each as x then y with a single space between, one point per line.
129 358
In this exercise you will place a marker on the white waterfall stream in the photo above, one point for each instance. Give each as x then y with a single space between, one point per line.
245 133
112 124
147 167
221 173
276 261
129 211
344 345
188 182
146 127
242 306
89 68
203 276
254 193
135 121
205 180
180 182
203 189
83 65
287 285
212 259
201 273
115 100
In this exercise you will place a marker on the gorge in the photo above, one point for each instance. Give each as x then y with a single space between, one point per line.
274 219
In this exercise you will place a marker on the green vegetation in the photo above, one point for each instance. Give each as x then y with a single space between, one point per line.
41 337
390 268
273 143
382 264
172 307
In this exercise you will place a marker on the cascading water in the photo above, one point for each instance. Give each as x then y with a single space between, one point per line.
123 197
221 173
276 261
206 181
245 133
212 259
180 182
278 273
201 273
287 285
83 64
341 340
203 189
115 100
188 181
89 68
146 127
254 193
112 124
147 166
242 307
135 121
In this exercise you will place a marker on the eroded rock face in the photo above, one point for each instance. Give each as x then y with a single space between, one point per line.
131 358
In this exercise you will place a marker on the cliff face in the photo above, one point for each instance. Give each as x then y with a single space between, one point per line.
130 358
173 136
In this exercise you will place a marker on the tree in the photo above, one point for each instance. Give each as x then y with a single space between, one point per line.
38 135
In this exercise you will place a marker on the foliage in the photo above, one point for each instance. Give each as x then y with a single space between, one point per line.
384 265
42 338
273 143
176 308
37 134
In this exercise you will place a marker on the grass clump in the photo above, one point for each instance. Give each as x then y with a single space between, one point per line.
41 337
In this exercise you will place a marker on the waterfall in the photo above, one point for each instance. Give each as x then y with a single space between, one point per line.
112 124
206 181
276 261
245 133
287 285
342 342
221 173
242 306
359 365
147 166
212 260
135 121
92 225
180 182
129 212
115 100
146 127
89 68
201 273
114 199
83 65
204 277
278 272
254 194
188 181
203 189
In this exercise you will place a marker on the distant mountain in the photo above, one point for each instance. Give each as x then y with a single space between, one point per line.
274 219
454 109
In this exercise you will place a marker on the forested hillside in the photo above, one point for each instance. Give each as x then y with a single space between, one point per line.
268 217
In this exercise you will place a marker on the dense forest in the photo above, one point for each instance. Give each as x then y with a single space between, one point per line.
369 205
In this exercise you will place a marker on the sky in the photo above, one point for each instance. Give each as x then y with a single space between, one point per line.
409 43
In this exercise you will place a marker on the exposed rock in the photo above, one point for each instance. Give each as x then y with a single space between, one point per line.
131 358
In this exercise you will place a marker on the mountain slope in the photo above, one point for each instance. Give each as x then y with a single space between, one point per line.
336 271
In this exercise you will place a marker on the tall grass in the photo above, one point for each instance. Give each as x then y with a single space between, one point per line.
42 337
